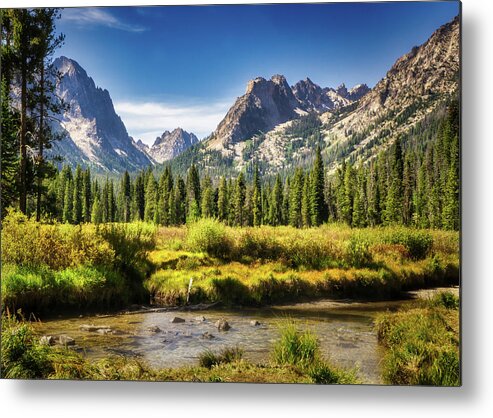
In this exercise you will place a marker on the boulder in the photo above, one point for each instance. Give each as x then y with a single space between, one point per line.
47 340
66 340
154 328
177 320
95 328
222 325
200 318
104 331
254 323
207 336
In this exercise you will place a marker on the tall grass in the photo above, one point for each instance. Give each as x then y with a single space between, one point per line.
53 267
422 343
294 347
209 359
301 349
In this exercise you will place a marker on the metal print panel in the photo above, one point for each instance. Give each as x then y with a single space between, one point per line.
234 193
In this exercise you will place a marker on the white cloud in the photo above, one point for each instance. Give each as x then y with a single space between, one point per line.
97 17
147 120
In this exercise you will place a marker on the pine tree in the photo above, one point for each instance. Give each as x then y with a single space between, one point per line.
96 210
125 198
68 201
256 198
317 200
239 200
151 196
347 195
207 205
372 192
193 194
393 203
359 203
222 201
296 193
86 196
306 212
139 197
275 210
451 215
77 196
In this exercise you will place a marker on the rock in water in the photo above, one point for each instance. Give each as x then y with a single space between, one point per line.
222 325
207 336
95 328
177 320
200 318
66 340
254 323
47 340
154 328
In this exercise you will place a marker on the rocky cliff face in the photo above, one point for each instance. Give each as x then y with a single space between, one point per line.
171 144
314 98
265 104
95 134
427 70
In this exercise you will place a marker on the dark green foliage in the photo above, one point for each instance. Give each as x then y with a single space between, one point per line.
418 243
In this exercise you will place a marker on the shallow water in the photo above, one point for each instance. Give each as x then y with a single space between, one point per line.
345 330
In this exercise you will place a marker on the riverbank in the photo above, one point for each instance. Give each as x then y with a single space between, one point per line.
52 268
209 263
422 342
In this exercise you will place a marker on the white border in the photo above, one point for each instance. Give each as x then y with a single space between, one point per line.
93 399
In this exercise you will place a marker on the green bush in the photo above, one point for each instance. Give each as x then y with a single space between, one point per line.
357 253
418 243
445 299
209 236
258 245
130 242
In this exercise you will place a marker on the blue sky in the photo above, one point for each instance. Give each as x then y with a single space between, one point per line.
185 65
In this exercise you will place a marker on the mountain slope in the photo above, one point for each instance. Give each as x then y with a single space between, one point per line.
265 104
169 145
95 134
279 127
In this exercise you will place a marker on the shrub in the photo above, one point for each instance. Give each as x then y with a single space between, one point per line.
209 236
229 291
418 243
445 299
29 243
209 359
326 374
357 252
130 242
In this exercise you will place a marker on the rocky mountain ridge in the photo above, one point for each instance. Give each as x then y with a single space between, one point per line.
168 145
95 136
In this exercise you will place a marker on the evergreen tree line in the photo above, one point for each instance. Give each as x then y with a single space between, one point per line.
404 185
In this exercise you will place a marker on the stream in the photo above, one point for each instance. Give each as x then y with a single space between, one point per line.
344 328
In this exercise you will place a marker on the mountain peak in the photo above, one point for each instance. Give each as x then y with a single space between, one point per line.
171 144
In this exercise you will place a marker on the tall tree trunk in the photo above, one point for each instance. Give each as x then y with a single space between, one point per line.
40 143
23 156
